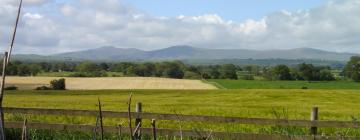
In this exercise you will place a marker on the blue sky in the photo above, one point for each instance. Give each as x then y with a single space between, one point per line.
55 26
236 10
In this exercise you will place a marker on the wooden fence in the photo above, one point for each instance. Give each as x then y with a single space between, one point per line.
312 124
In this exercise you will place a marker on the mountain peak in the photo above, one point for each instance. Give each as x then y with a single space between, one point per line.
181 47
107 47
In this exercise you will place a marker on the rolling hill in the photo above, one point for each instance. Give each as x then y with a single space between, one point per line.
188 52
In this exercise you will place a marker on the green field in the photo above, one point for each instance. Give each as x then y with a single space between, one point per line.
292 104
263 84
334 104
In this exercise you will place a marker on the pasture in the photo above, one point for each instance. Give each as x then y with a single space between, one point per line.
263 84
256 103
334 104
110 83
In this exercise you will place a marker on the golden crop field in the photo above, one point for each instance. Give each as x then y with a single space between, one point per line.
73 83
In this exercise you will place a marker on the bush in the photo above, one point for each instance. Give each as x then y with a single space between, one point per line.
58 84
304 87
89 74
77 74
43 88
191 75
11 88
247 77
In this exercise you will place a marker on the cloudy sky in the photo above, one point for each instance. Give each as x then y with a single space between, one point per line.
54 26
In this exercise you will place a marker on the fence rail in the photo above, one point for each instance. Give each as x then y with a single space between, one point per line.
173 132
191 118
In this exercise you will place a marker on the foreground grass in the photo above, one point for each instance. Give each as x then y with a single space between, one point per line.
263 84
271 103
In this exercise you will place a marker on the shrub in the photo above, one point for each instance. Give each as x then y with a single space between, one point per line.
89 74
191 75
58 84
77 74
304 87
11 88
43 88
247 77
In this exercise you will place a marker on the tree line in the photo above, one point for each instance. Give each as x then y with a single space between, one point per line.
179 70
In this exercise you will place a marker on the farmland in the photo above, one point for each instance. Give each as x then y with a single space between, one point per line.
256 103
334 104
263 84
110 83
264 99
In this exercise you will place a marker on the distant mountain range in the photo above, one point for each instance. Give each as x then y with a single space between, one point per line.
189 53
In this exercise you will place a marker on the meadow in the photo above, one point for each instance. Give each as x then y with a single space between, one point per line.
256 103
263 84
336 100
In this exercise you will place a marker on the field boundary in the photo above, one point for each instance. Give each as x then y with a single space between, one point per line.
219 86
189 118
174 132
312 124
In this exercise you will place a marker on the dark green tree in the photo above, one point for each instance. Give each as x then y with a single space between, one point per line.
307 71
228 71
88 67
281 72
58 84
352 69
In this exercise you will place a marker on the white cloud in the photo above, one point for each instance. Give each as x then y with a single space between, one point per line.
33 16
67 10
85 24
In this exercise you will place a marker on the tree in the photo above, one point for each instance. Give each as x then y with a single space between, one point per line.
173 70
310 73
306 71
148 69
12 68
104 66
326 75
46 67
58 84
191 75
121 67
34 69
281 72
352 69
253 69
62 66
228 71
88 67
23 70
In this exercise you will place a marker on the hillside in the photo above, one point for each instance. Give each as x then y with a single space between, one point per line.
188 52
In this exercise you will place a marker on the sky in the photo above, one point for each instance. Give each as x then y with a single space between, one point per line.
56 26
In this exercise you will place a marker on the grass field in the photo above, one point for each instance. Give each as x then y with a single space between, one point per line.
243 103
262 84
110 83
257 103
333 104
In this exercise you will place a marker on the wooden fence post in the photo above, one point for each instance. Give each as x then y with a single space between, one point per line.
153 125
2 125
101 120
138 122
314 117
